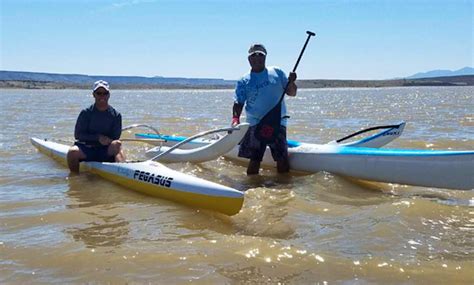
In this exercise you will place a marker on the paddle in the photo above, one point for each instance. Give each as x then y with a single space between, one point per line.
269 126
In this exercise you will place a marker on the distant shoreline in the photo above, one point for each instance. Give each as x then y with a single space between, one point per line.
28 84
465 80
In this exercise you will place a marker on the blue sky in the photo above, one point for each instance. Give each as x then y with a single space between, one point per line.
359 39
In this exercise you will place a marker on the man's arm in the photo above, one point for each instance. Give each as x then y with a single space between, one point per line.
80 131
292 88
236 112
115 132
117 127
239 96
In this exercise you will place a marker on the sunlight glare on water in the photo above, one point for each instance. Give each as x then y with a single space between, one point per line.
311 228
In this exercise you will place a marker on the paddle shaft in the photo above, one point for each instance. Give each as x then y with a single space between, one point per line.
310 34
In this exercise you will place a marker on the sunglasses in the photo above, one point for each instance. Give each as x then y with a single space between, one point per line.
101 93
257 54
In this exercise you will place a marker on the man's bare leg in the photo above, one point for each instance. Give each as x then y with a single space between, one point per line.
253 167
120 157
115 150
283 166
74 156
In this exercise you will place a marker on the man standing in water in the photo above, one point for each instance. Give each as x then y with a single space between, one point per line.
260 91
97 131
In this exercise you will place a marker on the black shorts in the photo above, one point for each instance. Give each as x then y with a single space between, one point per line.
252 148
95 153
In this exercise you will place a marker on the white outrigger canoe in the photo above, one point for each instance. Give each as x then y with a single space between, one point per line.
363 159
155 179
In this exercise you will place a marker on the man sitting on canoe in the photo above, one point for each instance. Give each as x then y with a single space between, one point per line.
97 131
261 90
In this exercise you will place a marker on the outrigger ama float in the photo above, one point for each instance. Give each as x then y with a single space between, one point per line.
362 159
155 179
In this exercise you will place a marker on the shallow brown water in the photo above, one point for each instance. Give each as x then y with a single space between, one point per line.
292 229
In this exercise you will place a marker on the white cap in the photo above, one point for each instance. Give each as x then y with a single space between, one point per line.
101 83
257 48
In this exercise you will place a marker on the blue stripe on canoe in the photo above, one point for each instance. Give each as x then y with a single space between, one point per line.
400 152
347 149
291 143
164 137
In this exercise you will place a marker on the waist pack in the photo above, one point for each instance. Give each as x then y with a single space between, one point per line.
268 128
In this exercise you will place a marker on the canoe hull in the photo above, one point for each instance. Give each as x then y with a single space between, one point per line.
363 159
441 169
155 179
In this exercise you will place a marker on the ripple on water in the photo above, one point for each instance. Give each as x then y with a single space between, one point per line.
292 229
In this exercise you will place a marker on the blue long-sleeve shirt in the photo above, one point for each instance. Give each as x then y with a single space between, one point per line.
260 92
91 123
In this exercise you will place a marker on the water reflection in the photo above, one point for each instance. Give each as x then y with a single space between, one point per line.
266 212
102 226
109 231
292 229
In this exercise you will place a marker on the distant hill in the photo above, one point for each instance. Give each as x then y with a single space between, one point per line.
443 73
86 81
466 80
33 80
